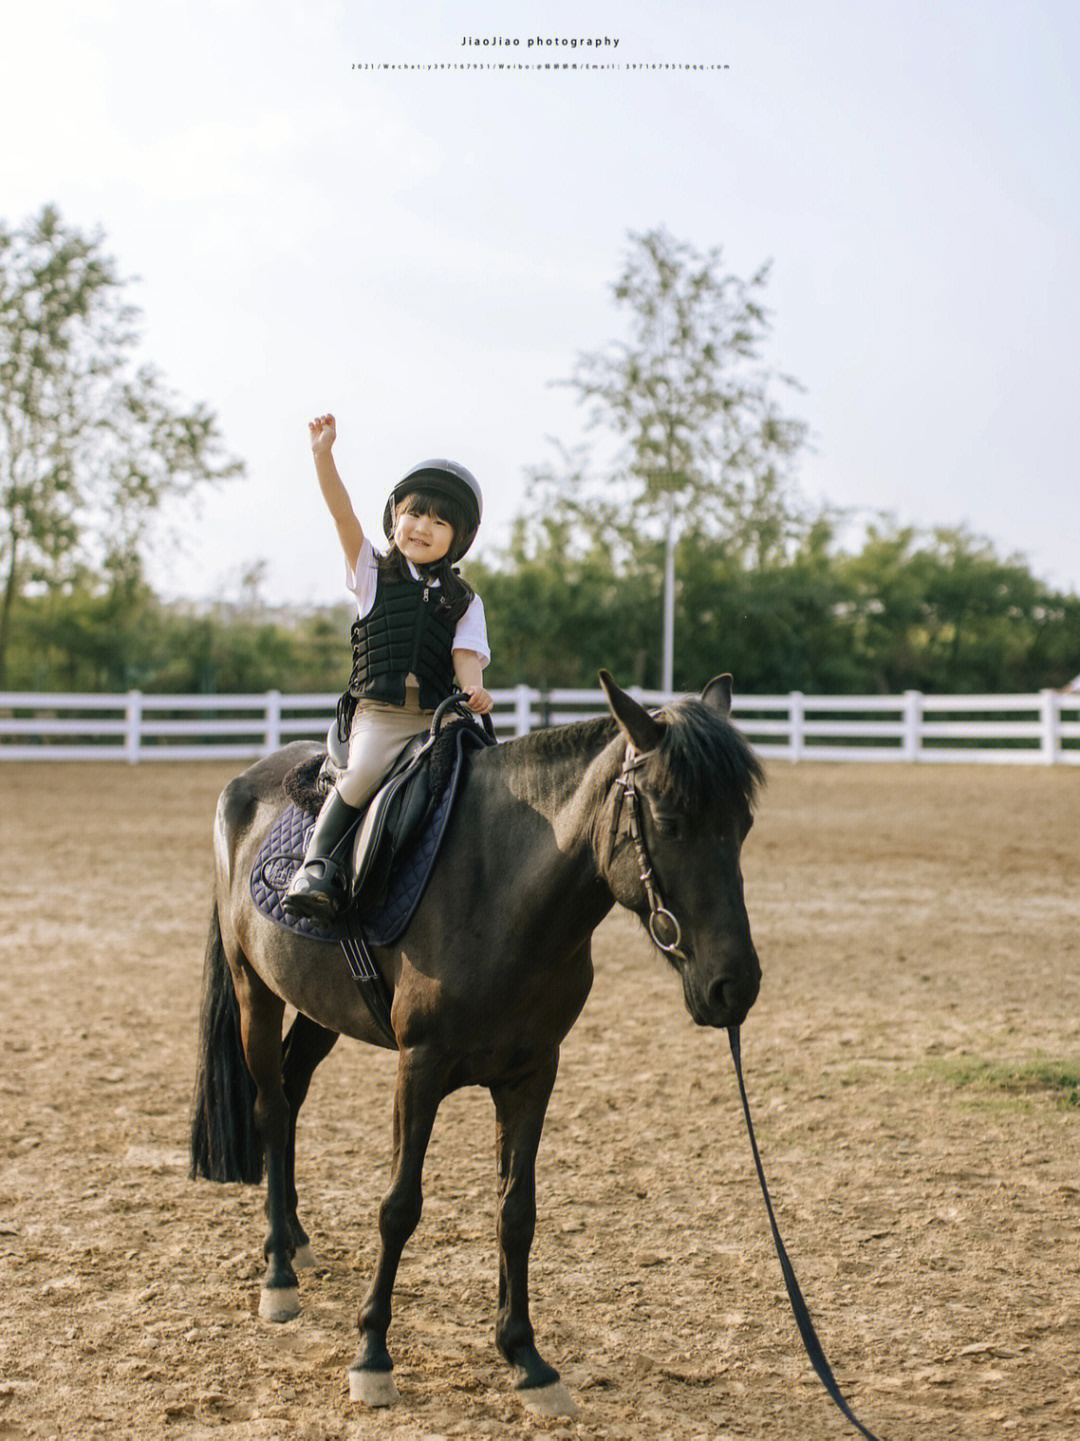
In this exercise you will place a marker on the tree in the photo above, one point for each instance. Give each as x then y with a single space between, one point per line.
941 611
90 441
706 446
561 610
777 627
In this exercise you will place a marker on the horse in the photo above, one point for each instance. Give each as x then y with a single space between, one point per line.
647 810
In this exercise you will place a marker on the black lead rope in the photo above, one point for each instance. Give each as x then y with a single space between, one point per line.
798 1305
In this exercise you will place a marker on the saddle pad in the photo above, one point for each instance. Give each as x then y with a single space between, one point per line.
276 864
283 850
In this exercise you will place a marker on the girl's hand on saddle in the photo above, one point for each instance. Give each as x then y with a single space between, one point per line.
479 699
323 432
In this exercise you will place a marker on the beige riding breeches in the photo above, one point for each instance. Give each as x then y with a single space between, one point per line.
379 732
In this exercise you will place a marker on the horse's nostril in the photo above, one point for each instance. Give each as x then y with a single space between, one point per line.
716 996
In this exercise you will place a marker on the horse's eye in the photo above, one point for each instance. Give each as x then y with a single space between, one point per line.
669 825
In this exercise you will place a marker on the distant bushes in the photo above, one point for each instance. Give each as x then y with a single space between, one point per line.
937 612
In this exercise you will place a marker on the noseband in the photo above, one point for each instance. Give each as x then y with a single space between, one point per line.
664 929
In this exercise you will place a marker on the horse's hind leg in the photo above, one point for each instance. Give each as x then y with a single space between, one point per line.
520 1107
416 1100
305 1046
261 1015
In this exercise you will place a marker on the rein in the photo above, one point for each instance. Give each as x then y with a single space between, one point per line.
666 934
795 1296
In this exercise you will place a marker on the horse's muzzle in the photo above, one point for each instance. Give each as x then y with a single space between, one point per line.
724 998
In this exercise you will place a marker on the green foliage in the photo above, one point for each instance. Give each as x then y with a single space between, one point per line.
942 612
88 446
110 633
90 441
705 444
936 611
560 611
705 447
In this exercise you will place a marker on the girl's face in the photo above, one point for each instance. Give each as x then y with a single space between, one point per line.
422 538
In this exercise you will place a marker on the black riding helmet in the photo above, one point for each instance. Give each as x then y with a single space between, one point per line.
441 477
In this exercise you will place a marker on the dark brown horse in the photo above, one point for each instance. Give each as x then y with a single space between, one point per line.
549 832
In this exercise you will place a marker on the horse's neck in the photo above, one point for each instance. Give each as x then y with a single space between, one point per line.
563 776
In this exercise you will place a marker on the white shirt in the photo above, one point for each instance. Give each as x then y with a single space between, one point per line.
471 632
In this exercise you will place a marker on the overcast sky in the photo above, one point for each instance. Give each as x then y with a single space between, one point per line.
423 252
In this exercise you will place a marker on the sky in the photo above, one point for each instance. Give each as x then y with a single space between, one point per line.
423 252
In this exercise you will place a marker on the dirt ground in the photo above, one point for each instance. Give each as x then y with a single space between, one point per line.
912 923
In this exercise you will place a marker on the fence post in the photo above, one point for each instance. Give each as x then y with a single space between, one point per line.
1050 738
912 741
273 721
133 725
522 710
796 724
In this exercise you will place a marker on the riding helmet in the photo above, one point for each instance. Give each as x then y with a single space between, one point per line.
443 477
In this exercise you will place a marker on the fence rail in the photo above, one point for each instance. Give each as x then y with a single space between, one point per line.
1043 728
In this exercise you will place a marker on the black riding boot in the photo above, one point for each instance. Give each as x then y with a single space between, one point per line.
320 888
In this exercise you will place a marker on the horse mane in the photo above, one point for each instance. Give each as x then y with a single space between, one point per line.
702 761
552 743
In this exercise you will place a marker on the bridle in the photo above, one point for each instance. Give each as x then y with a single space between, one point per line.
663 927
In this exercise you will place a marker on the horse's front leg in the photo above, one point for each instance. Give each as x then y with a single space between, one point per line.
420 1088
520 1107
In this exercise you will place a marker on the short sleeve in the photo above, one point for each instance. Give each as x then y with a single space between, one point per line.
471 633
364 580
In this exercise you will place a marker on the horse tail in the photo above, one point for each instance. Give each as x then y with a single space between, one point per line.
225 1145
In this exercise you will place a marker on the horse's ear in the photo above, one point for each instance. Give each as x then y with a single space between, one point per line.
635 722
717 694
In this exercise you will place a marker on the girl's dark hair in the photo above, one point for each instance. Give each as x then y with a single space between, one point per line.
455 594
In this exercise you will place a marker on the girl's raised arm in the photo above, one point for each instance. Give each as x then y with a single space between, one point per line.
350 532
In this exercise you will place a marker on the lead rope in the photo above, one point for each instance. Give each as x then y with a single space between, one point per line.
661 920
795 1295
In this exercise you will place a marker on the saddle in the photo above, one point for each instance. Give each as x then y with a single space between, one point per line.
400 810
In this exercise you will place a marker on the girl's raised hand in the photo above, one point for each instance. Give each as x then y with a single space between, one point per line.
323 432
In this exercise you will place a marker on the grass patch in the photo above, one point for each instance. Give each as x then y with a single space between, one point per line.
1042 1074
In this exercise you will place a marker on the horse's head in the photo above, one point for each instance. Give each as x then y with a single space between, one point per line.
670 839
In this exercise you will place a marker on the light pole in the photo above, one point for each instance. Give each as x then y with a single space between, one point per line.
669 597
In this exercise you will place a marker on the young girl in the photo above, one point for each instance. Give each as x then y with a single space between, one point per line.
419 635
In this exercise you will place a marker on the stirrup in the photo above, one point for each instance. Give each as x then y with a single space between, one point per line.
318 891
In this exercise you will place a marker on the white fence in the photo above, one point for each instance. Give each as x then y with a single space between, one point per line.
1020 729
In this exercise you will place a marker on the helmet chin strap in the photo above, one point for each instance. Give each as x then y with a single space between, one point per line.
431 569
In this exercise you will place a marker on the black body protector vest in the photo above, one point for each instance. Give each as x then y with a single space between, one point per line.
406 630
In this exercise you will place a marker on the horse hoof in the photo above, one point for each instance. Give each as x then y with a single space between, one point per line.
304 1260
373 1388
279 1303
553 1400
